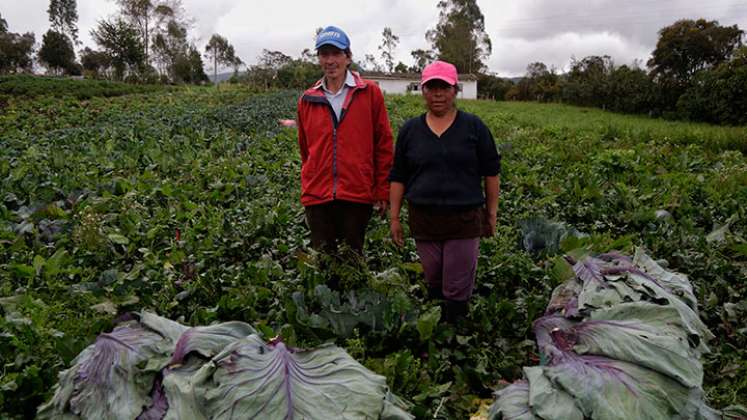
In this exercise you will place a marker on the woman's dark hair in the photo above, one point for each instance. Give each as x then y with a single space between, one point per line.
457 87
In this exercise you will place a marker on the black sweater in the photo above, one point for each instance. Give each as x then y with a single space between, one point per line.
445 171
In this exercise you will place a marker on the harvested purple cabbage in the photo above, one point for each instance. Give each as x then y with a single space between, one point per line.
154 369
621 340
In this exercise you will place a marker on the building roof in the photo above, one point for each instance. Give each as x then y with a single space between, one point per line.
377 75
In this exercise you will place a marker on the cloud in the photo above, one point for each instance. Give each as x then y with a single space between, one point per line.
512 55
30 18
521 32
206 16
251 27
89 13
540 30
637 20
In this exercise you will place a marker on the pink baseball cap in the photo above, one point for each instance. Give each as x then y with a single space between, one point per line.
439 70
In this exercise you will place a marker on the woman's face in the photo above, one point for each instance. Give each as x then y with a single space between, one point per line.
439 96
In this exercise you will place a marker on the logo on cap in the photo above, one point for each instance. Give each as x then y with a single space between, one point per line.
332 35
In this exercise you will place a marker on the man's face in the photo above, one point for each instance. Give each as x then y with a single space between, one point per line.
333 61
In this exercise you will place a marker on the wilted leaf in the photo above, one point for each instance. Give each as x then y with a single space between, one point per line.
106 307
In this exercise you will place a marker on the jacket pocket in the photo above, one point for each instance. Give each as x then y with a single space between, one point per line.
367 178
308 170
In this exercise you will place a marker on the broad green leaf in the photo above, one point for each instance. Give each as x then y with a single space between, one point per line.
719 234
118 239
22 270
697 331
56 263
427 322
38 264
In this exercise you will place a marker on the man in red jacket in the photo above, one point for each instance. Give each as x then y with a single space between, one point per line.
346 148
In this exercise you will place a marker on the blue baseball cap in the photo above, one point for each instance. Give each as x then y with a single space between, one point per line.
332 35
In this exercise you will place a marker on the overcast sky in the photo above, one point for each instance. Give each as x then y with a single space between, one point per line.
550 31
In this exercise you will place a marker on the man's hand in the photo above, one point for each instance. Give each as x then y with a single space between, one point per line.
395 227
380 207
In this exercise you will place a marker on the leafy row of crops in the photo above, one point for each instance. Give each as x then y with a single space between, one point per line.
28 86
186 203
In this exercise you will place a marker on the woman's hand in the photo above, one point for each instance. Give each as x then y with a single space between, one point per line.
492 222
396 192
395 227
380 207
492 191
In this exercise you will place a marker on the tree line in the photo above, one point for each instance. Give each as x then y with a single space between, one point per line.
147 41
698 70
459 37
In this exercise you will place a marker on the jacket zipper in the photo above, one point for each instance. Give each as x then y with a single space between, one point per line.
334 162
335 124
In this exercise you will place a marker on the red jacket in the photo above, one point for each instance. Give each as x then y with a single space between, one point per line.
346 160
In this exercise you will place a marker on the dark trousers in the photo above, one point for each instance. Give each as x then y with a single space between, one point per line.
450 266
338 222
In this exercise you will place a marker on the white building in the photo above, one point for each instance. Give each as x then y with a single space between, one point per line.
407 83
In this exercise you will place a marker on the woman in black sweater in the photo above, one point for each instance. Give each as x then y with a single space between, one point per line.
447 167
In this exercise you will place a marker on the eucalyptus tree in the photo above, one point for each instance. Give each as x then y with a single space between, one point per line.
220 52
63 17
459 36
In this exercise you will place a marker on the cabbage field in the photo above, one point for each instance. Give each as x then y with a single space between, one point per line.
185 203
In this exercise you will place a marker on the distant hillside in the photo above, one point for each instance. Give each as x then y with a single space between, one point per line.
222 77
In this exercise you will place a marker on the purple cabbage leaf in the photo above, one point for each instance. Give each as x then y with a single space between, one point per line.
621 340
647 334
589 270
156 369
175 380
252 379
564 299
512 403
676 283
605 388
548 401
173 397
113 377
697 332
210 340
